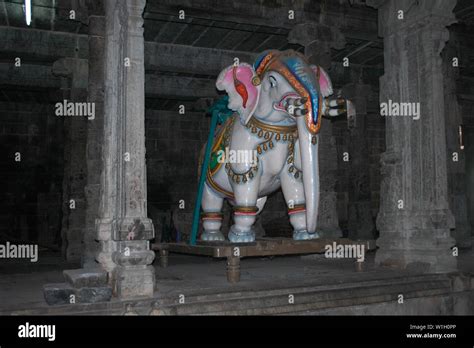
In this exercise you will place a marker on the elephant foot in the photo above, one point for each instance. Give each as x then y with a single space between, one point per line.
212 236
236 236
304 235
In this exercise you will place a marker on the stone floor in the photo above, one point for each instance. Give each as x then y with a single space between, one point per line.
21 282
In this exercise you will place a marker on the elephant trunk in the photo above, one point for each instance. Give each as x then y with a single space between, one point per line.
309 161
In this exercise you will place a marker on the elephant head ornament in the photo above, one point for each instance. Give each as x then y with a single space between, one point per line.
271 141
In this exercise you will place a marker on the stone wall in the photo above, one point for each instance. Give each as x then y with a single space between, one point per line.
173 143
374 131
30 199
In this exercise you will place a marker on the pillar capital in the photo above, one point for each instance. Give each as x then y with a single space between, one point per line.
402 16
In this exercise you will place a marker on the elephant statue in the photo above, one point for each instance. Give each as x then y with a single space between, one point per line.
270 141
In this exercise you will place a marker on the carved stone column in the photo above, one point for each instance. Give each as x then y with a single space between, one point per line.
95 133
74 79
123 228
360 221
318 40
414 218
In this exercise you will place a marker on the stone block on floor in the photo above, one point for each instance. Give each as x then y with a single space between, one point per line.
90 278
58 293
64 293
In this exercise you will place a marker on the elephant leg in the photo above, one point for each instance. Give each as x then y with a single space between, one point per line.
293 191
245 211
212 215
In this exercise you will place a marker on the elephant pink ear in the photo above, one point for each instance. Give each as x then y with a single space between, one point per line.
243 87
325 84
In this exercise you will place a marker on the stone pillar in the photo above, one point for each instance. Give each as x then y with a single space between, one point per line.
94 128
360 223
123 228
456 158
318 40
74 73
414 218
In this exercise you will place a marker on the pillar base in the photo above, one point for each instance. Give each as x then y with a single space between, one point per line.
134 281
418 250
128 264
133 275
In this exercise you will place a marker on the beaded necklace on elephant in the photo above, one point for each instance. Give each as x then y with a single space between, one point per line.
269 133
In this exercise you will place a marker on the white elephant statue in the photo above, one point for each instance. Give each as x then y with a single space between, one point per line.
270 141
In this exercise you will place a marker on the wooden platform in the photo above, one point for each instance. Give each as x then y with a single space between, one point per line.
261 247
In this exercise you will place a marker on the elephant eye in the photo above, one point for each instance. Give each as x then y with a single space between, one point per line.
273 81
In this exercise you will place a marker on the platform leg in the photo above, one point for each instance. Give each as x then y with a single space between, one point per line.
359 266
233 269
164 258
